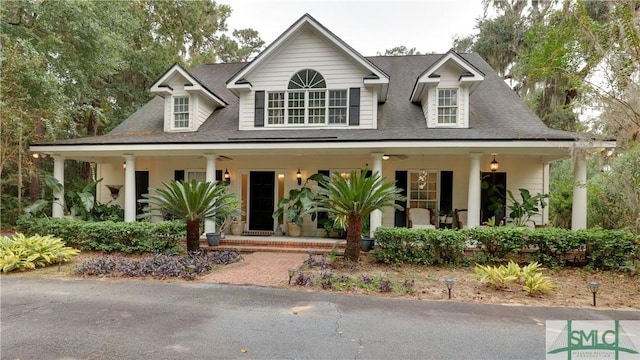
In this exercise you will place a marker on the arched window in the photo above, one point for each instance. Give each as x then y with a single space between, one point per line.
307 101
307 79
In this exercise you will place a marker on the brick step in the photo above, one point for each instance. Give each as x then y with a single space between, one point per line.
278 244
256 248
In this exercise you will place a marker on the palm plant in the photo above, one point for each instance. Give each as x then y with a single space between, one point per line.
193 201
355 198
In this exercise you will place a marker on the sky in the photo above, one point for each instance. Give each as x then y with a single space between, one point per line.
370 27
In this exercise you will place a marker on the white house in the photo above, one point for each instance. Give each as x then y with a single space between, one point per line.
310 103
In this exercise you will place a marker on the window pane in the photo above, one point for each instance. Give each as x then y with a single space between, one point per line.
447 106
337 107
181 112
275 108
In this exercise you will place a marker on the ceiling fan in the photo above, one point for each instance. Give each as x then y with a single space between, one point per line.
223 158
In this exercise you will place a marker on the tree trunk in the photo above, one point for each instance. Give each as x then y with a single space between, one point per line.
354 235
193 235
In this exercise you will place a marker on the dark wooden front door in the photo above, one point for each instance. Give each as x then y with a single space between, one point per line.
493 199
261 198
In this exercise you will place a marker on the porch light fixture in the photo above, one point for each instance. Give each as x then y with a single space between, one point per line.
35 155
593 286
449 283
385 157
292 272
299 177
124 165
227 177
494 164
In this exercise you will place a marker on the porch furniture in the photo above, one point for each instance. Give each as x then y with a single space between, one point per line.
420 218
458 224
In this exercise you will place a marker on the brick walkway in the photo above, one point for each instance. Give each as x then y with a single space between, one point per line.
258 268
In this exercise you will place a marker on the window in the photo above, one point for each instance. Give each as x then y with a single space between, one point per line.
307 101
447 106
198 175
423 189
181 112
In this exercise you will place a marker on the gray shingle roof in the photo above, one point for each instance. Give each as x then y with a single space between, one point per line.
496 113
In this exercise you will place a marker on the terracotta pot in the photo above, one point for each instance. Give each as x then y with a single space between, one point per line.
237 227
293 230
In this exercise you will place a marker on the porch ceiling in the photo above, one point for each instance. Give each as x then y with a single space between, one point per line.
552 150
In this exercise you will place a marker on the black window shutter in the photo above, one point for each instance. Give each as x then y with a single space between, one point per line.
259 119
322 216
401 215
219 175
354 106
178 175
446 191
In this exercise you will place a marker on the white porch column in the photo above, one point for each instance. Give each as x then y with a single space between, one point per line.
473 199
579 210
210 225
57 210
375 220
545 190
130 189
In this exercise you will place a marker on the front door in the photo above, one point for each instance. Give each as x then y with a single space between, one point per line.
493 197
142 187
261 199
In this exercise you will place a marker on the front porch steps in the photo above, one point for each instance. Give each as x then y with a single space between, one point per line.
278 244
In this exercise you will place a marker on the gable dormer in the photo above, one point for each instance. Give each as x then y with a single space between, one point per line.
309 78
443 91
187 102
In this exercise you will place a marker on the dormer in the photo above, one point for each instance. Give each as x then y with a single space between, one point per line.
187 102
443 91
309 78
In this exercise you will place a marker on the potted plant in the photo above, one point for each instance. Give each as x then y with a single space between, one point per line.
299 203
522 212
225 218
237 226
367 242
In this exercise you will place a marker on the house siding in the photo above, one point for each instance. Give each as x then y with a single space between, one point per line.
308 51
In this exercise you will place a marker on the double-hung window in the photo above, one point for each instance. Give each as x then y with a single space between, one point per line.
181 112
423 189
307 101
447 106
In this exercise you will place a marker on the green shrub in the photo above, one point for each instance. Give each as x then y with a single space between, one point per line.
418 246
109 236
22 253
553 245
498 242
609 249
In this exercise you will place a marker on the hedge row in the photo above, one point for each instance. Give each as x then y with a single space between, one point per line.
109 236
597 248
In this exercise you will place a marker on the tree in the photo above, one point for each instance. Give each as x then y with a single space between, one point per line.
400 51
193 201
78 68
354 198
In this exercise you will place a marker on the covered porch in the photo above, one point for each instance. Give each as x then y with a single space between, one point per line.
266 172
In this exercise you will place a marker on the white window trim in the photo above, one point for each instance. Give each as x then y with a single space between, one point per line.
306 123
437 117
173 126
